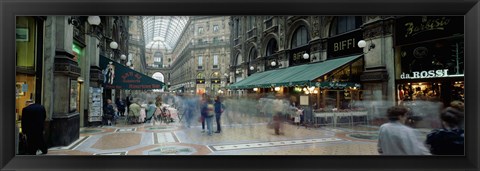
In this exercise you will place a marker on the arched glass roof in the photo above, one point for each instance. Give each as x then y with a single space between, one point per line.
163 32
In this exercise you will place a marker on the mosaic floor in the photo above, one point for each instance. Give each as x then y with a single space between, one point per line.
239 136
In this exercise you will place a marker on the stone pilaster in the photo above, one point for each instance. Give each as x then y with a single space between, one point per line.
65 125
379 63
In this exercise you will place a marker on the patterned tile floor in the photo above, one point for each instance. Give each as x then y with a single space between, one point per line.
239 136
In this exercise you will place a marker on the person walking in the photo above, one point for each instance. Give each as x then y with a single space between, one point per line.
448 140
202 103
33 120
395 138
128 102
219 108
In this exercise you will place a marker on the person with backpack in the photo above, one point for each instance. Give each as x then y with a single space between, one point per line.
448 140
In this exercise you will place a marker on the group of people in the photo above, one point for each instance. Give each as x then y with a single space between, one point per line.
395 138
208 110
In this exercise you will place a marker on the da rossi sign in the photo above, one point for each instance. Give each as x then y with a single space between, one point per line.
118 76
425 74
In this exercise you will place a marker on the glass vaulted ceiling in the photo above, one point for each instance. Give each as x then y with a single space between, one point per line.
163 32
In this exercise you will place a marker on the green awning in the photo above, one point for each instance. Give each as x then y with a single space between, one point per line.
291 76
118 76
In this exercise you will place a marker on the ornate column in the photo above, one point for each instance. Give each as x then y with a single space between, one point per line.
65 125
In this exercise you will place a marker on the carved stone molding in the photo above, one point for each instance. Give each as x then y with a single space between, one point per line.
374 76
66 65
378 28
96 74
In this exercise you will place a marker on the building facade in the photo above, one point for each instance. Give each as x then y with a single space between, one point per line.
429 61
268 44
58 67
201 56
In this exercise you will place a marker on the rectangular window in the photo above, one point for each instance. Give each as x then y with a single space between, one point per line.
215 61
215 28
237 28
252 22
200 62
200 30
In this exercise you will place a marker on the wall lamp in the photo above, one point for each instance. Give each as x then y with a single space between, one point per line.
95 30
306 56
363 44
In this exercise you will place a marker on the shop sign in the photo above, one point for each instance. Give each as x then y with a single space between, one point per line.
344 45
296 55
215 81
200 81
338 85
425 74
419 28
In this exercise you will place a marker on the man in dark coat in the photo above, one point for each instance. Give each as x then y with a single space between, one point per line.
33 120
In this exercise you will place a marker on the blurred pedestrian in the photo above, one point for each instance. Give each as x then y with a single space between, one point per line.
277 123
448 140
128 102
188 109
208 112
134 112
33 120
397 139
120 106
219 108
108 113
150 112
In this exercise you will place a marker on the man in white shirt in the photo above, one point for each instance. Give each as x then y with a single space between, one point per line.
397 139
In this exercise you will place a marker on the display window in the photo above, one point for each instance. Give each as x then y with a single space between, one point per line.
430 91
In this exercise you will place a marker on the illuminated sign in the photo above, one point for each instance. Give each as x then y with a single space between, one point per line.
345 44
425 74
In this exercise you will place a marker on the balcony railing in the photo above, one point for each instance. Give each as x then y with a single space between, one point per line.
251 33
269 23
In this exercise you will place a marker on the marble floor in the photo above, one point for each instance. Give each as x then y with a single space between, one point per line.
239 136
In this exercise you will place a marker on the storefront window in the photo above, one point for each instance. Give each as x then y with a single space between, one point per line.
441 58
25 62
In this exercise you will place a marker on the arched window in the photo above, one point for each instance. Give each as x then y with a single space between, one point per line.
200 75
300 37
344 24
272 47
253 54
239 59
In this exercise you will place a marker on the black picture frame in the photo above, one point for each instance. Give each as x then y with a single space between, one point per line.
10 9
